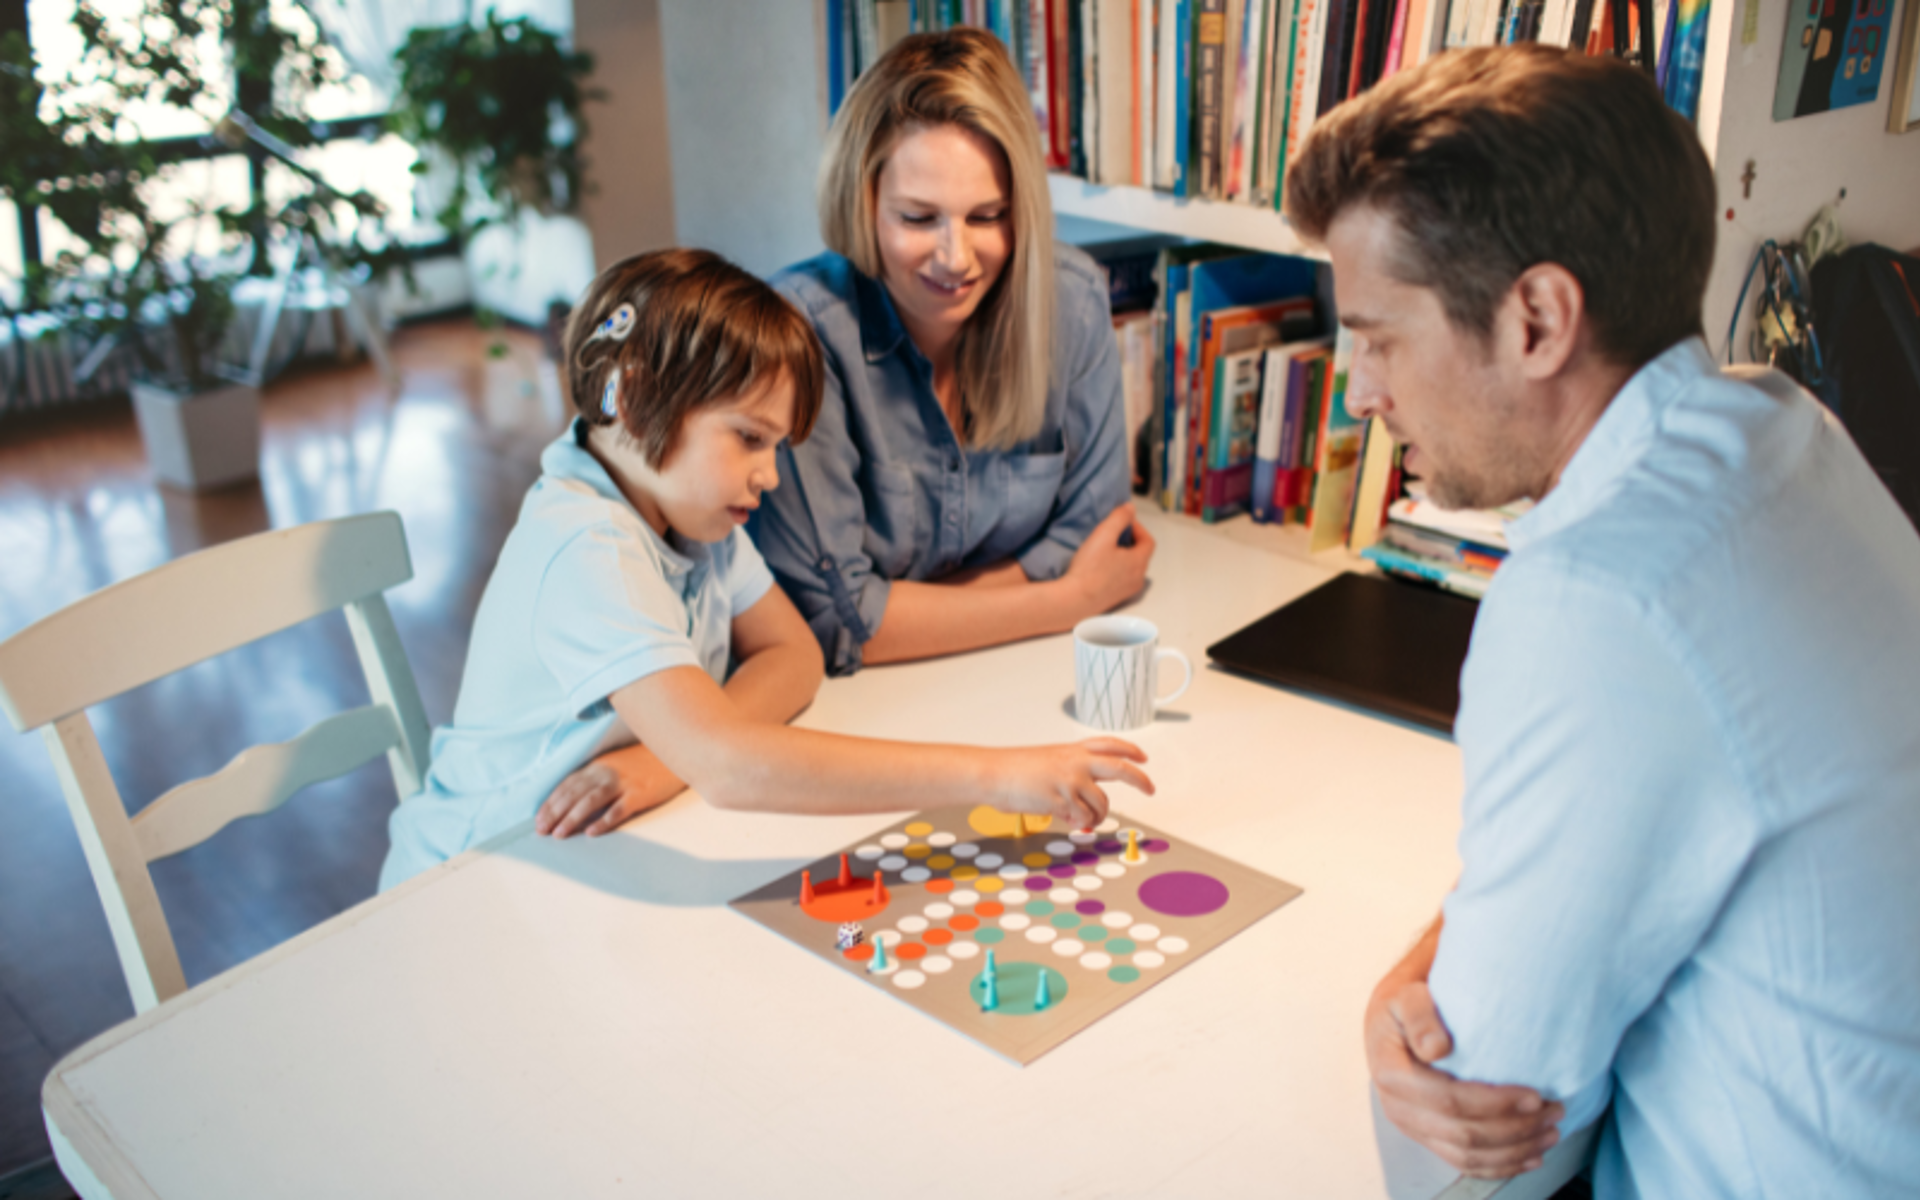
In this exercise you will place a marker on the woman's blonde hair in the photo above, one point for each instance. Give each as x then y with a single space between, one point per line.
964 78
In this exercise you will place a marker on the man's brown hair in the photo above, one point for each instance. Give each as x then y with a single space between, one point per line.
1491 161
701 332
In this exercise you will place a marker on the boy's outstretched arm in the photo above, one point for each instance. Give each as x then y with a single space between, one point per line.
739 762
779 671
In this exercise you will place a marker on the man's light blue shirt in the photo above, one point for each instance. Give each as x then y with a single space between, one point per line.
585 599
883 490
1690 728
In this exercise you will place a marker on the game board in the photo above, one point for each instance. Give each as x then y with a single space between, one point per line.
1073 924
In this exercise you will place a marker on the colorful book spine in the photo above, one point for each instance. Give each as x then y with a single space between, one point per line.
1394 562
1275 371
1209 71
1182 98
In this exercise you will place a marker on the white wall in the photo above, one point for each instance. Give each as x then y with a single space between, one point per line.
1798 165
629 203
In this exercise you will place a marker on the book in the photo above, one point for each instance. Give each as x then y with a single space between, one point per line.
1230 331
1181 98
1453 579
1059 86
1282 375
1336 457
1076 25
1114 73
1170 84
1305 389
1372 490
1209 66
1145 93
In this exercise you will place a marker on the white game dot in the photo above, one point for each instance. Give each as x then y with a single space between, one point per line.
965 898
1110 870
936 964
1088 883
1082 838
1064 895
1059 849
909 980
1173 945
1144 933
987 862
887 937
912 924
915 875
893 862
895 841
1015 896
1014 871
1068 948
1147 958
868 852
965 850
1042 934
1107 826
940 841
939 912
1016 921
1097 961
1116 919
964 950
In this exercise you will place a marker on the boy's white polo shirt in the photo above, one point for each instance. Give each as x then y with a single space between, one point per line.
585 599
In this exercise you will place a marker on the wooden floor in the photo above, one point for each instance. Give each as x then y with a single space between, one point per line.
453 452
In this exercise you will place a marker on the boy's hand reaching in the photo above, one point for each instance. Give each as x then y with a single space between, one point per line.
600 797
1063 782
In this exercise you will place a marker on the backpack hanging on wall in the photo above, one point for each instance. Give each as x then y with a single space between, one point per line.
1866 305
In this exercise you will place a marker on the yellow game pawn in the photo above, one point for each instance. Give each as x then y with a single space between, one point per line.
1133 855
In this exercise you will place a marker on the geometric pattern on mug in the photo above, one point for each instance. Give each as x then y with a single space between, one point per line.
1111 694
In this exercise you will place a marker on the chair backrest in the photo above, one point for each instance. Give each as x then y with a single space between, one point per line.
170 618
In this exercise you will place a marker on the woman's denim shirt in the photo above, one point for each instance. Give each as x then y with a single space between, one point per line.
883 490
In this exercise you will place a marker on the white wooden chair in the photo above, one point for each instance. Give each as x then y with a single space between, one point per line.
170 618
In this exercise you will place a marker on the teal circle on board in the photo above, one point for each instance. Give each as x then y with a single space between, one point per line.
1065 920
1120 946
1092 933
989 936
1124 974
1018 984
1039 908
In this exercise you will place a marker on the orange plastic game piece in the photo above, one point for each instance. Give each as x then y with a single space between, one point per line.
848 898
846 872
806 888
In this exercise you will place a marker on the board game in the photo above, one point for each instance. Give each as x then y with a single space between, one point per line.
1008 929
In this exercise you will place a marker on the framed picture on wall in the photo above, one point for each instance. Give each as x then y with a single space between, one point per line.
1905 113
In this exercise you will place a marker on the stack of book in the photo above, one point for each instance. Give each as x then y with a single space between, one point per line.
1458 550
1212 98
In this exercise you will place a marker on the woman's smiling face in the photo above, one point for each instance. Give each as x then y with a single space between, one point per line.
945 227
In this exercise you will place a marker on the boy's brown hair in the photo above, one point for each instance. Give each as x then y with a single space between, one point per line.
1491 161
668 332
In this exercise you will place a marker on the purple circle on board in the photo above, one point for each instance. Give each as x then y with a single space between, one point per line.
1183 894
1083 857
1109 847
1037 883
1090 908
1062 871
1156 846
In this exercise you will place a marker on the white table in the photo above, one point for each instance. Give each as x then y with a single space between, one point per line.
588 1018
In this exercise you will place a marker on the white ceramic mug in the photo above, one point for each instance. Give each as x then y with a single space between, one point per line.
1116 672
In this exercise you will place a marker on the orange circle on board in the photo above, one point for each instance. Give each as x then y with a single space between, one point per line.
989 885
860 953
964 922
989 908
966 873
909 950
939 887
937 937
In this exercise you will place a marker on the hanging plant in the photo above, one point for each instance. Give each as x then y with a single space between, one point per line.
502 101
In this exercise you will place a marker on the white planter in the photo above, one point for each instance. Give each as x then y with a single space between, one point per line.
200 440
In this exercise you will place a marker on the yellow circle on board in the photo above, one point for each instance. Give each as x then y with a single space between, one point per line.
991 822
918 829
917 851
940 862
1037 860
989 884
963 874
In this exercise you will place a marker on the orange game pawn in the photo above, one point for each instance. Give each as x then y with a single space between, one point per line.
846 872
879 890
806 888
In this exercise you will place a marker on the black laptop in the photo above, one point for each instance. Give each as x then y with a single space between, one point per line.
1379 643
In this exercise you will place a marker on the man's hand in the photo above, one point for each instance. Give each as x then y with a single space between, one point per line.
602 795
1480 1129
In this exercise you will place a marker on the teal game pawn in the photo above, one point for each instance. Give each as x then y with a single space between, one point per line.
1043 994
990 999
992 972
879 962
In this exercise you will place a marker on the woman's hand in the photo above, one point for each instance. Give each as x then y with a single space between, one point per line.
602 795
1106 572
1063 782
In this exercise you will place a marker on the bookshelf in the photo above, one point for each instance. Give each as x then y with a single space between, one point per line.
1159 212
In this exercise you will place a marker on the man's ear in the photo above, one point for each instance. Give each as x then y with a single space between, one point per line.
1545 311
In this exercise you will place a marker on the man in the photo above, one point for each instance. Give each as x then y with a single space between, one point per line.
1691 843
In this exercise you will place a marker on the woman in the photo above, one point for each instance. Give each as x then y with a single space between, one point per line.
966 482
